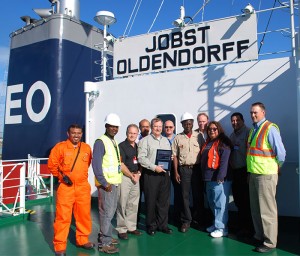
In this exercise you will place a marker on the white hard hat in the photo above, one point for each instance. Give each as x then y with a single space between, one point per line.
186 116
113 119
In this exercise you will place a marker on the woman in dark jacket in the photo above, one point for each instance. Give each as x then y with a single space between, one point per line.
214 164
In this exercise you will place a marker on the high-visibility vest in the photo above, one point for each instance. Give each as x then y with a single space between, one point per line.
111 162
213 157
261 159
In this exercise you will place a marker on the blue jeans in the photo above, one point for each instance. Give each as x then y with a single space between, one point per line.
218 198
107 205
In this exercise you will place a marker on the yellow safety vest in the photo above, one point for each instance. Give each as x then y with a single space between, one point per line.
111 162
261 159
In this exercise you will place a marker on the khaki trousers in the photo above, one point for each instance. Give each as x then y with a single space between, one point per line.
262 189
128 203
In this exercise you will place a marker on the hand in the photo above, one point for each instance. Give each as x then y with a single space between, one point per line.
108 188
135 178
177 177
159 169
60 177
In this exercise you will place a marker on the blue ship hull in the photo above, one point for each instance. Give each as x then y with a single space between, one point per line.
47 71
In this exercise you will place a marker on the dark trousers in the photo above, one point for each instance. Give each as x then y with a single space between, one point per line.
192 178
141 197
240 192
177 199
157 199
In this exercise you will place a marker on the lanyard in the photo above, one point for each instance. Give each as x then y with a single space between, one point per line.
116 148
76 157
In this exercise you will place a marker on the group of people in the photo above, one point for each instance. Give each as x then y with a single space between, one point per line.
204 161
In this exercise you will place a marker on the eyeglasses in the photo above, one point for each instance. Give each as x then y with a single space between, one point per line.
212 129
169 127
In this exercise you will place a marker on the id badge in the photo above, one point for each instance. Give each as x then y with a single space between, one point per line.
135 160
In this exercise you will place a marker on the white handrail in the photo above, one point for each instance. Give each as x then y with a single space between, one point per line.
15 204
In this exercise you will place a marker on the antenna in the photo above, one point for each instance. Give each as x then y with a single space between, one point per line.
105 18
181 21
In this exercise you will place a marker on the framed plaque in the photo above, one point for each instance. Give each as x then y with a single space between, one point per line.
164 158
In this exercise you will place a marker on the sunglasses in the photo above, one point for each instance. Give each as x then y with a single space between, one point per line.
212 129
168 127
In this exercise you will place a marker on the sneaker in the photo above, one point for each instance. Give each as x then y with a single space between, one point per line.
110 249
219 233
211 229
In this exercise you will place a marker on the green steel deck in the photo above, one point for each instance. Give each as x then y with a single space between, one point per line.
34 237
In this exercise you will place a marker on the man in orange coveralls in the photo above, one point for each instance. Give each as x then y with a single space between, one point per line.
71 159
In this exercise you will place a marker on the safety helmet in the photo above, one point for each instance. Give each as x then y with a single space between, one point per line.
113 119
186 116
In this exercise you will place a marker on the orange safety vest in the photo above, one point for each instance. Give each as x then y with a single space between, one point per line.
261 159
256 144
213 160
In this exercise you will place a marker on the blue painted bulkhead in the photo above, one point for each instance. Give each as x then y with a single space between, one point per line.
63 65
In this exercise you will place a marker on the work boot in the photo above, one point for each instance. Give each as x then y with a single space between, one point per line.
110 249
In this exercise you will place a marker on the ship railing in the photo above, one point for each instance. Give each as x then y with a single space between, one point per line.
35 179
15 204
21 182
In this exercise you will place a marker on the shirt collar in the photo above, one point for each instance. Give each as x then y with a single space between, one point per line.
128 143
71 145
256 125
155 137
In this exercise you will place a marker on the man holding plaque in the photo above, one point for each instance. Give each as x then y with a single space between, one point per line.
154 155
186 152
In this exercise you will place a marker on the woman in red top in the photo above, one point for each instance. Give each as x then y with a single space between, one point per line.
214 164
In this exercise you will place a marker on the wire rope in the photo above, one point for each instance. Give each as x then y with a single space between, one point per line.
259 8
133 10
135 16
161 4
263 38
202 18
205 3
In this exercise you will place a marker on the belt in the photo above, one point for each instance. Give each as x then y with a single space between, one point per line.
188 166
102 187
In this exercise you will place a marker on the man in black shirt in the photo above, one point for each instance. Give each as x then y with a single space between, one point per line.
129 189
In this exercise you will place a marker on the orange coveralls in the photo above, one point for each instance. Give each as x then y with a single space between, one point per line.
76 197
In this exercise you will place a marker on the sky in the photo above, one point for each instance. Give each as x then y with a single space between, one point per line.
12 10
